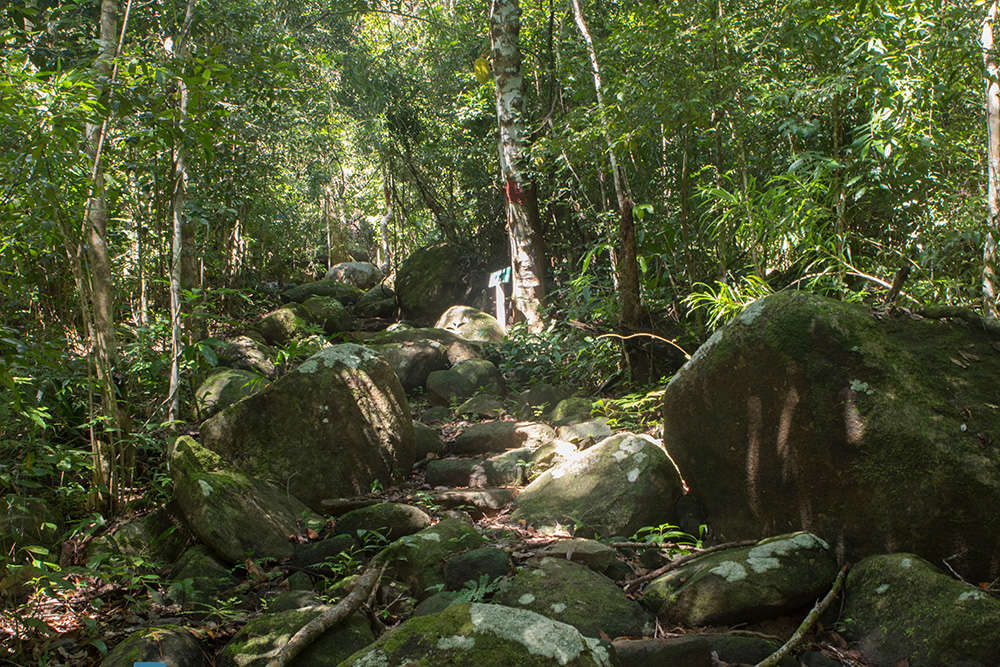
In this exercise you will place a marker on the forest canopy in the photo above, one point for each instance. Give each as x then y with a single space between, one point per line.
166 163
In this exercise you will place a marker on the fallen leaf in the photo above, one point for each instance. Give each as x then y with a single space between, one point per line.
968 356
958 363
312 534
995 344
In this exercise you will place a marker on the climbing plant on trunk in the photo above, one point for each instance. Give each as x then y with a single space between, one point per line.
527 251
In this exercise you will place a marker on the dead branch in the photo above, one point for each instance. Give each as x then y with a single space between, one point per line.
635 583
339 613
817 611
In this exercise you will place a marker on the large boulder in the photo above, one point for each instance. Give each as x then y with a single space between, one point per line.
234 514
171 645
282 325
414 361
330 428
900 609
417 561
379 301
433 279
249 354
484 634
224 387
876 433
456 348
328 313
573 593
342 292
745 584
362 275
472 324
614 488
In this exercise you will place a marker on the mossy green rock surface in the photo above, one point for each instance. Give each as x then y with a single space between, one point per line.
379 301
261 639
431 280
328 313
485 636
413 361
614 488
900 608
472 324
328 429
456 348
573 593
284 324
235 514
171 645
199 578
342 292
806 413
391 520
746 584
223 388
418 560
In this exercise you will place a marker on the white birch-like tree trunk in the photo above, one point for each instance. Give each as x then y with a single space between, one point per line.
178 235
990 306
527 251
626 266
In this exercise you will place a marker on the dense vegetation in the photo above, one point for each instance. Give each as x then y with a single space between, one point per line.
822 145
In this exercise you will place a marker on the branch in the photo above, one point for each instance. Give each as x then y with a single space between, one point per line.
343 610
817 611
674 564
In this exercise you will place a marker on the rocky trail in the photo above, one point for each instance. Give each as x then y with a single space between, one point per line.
514 528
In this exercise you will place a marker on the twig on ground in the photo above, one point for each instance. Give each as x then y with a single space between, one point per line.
811 618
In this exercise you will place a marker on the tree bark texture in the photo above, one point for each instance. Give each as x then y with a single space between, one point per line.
993 166
527 251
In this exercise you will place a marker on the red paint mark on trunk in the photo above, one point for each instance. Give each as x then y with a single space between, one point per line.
515 195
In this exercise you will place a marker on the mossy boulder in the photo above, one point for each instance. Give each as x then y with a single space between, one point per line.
233 513
327 313
379 301
571 411
414 361
342 292
500 436
613 488
417 561
456 348
285 324
472 324
538 401
446 387
428 442
199 578
510 467
432 279
484 564
362 275
487 636
224 387
155 538
595 555
391 520
484 405
259 641
249 354
900 609
573 593
746 584
328 429
172 645
483 375
874 432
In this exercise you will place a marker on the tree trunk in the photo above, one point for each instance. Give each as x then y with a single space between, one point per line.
627 268
179 234
993 166
527 252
